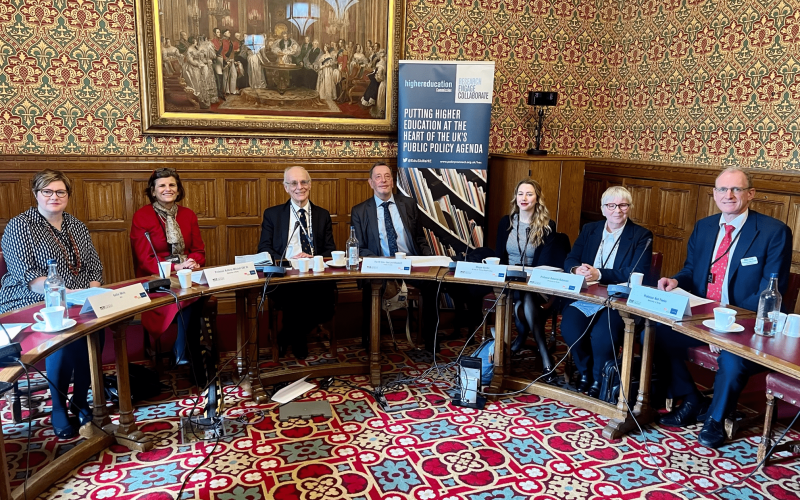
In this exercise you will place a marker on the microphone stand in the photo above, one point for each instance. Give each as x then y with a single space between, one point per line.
279 270
623 291
164 282
155 254
452 266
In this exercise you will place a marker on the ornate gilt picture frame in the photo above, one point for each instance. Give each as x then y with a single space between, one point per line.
272 68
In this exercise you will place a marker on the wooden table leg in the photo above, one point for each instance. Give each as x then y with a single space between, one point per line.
642 410
241 332
623 422
5 480
375 334
99 411
501 342
253 382
127 432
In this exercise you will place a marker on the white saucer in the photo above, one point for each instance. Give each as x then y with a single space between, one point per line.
733 328
40 327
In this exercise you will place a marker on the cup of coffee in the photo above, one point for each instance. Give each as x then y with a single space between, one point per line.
792 326
338 257
304 264
319 264
166 269
185 277
637 279
399 255
492 261
52 317
724 318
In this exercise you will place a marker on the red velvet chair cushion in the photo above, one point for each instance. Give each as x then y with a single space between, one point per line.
784 388
703 356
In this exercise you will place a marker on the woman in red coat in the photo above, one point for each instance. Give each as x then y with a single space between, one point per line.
175 234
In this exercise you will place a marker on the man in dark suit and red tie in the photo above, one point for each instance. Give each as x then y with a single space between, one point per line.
730 259
388 223
304 305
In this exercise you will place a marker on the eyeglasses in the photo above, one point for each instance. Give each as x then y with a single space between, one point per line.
294 184
734 190
622 206
47 193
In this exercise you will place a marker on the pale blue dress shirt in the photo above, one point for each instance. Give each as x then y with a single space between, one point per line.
402 243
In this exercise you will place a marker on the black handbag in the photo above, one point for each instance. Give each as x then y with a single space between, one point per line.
609 387
144 384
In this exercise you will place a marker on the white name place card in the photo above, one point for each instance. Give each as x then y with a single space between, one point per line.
552 280
671 305
115 301
386 266
227 275
483 272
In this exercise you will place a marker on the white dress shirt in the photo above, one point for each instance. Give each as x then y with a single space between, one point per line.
607 251
738 223
402 244
294 239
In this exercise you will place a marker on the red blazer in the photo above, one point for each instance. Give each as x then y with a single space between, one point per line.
146 220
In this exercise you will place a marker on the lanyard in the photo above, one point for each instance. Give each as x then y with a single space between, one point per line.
309 234
603 263
726 251
521 251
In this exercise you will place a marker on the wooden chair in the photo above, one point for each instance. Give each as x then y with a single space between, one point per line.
702 356
19 394
786 389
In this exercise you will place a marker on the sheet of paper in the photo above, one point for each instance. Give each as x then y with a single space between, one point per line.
13 329
293 391
257 259
78 297
430 260
694 300
550 268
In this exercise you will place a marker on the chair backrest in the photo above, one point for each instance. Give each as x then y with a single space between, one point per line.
3 268
655 268
792 291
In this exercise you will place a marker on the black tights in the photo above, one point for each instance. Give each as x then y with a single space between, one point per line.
530 316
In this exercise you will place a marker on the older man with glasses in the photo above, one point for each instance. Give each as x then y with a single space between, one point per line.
730 259
304 305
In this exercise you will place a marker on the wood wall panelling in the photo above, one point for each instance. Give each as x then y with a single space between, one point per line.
673 249
242 240
211 239
242 198
794 224
356 191
200 197
10 200
114 249
104 200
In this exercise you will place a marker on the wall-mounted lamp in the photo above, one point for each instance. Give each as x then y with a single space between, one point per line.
540 100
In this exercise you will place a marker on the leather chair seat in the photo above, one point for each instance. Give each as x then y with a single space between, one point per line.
702 356
784 388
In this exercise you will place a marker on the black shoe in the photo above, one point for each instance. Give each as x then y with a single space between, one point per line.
713 434
594 389
300 353
583 384
686 414
518 343
549 377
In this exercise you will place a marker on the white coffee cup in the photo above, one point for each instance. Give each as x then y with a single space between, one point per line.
792 326
295 263
724 318
492 261
166 269
52 317
399 255
319 264
637 279
304 264
185 277
338 257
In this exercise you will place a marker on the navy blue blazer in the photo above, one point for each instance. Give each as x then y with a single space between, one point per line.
765 238
275 230
551 252
632 242
364 218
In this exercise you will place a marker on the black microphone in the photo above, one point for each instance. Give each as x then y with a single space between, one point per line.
9 355
278 269
155 254
622 291
521 276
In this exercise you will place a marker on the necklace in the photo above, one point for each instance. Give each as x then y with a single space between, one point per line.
76 269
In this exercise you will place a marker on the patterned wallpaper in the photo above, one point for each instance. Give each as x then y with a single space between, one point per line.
697 81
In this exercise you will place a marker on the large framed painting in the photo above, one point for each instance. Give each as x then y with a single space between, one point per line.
307 68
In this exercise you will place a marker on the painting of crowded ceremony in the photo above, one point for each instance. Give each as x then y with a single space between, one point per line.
269 65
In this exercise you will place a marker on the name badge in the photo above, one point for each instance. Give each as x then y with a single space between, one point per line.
659 302
115 301
563 282
482 272
749 261
226 275
385 266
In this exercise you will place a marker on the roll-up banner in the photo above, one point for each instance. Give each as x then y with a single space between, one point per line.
444 110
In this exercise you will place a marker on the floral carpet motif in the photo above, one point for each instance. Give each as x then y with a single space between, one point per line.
523 447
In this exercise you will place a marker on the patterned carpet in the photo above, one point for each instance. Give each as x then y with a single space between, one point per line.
519 448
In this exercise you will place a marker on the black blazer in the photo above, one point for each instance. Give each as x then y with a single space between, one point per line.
364 218
551 252
275 230
632 242
767 240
